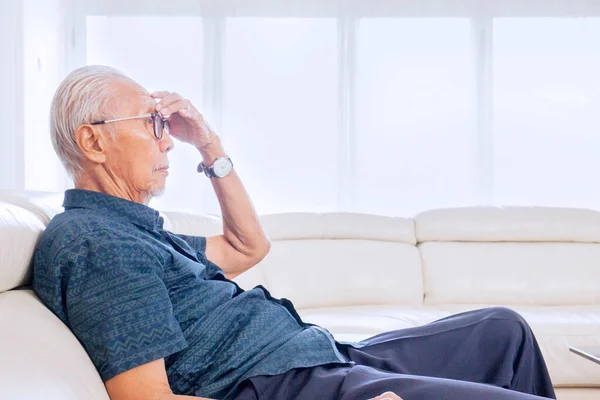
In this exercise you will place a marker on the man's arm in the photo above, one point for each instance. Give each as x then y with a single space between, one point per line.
243 243
146 382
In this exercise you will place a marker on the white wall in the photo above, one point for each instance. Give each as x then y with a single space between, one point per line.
32 64
11 97
44 64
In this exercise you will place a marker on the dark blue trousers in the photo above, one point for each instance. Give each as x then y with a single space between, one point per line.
488 354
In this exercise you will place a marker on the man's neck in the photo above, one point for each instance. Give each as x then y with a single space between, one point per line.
111 187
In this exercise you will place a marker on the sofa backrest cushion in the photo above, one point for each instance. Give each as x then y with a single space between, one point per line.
508 224
330 259
44 205
19 233
511 273
510 255
475 255
328 273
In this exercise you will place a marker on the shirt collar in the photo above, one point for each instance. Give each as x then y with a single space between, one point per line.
135 213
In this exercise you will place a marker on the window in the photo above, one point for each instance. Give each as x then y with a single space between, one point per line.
280 111
415 144
546 102
379 107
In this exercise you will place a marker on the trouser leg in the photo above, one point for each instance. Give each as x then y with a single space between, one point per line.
493 346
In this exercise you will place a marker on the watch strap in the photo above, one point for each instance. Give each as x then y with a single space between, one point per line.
210 171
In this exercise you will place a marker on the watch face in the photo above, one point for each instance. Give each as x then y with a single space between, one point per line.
222 167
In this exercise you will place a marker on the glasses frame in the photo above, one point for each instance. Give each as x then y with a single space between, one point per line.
159 123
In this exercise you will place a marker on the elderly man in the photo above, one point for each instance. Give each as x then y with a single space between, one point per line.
157 312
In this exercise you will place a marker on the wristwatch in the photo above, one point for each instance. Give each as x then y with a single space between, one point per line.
220 168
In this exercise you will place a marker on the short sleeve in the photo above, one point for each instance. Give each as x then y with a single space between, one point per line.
117 304
198 244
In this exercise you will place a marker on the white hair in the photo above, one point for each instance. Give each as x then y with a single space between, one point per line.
86 95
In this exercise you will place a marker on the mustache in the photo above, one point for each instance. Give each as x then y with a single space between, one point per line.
162 167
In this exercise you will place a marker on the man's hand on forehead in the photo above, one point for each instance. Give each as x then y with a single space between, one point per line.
170 103
186 122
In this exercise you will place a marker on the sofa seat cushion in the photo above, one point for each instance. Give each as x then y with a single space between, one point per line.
577 393
556 328
41 358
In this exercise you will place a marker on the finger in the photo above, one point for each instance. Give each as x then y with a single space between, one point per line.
179 106
190 112
159 94
168 100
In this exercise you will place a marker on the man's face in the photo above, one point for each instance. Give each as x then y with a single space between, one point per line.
135 158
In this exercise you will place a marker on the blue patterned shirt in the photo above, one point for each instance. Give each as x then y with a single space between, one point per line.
133 292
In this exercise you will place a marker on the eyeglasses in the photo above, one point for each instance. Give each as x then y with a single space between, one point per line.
158 122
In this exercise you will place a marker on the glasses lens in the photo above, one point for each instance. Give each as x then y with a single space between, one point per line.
158 125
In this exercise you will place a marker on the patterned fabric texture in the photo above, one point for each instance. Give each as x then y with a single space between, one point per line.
132 293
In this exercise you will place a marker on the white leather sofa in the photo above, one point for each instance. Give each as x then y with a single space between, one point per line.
357 275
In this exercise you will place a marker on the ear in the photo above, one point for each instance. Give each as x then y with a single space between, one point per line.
91 143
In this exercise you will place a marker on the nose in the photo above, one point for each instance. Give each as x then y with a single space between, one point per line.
166 142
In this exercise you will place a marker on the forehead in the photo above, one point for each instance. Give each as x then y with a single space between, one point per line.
133 100
147 104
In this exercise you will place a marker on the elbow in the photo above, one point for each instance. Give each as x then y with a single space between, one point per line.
250 259
261 251
266 248
251 255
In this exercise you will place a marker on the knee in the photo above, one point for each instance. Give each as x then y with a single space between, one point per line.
505 314
507 322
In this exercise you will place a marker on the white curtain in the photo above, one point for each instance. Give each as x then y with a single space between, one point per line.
388 107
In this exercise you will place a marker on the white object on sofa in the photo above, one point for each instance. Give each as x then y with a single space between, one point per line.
357 275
